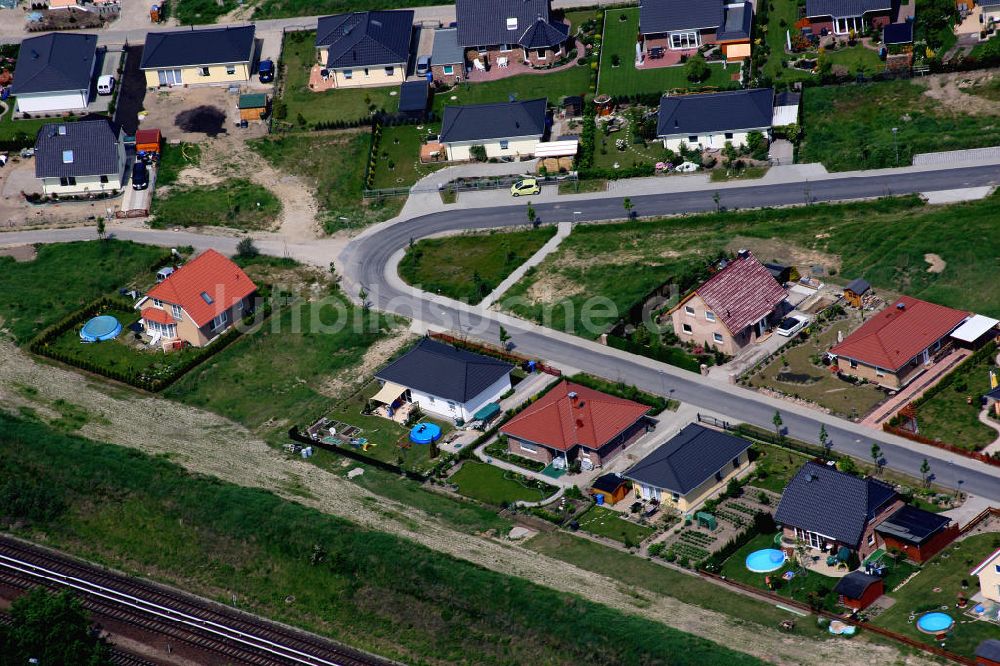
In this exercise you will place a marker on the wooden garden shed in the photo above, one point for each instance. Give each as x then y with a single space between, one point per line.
253 106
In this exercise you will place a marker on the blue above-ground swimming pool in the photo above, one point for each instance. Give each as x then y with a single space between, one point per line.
425 433
104 327
766 560
935 623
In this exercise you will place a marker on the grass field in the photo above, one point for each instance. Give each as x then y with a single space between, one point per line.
553 86
814 382
470 266
850 126
607 523
885 241
86 271
939 584
200 12
781 17
269 9
297 58
647 577
332 163
948 416
398 160
147 516
619 38
493 485
174 158
236 203
775 467
23 131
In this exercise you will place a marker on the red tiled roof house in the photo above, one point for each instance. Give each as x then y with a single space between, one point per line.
897 344
731 309
199 301
576 422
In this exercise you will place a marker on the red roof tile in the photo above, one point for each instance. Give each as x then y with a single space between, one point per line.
592 419
157 315
205 287
894 336
742 293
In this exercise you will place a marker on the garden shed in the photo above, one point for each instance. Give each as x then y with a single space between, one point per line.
253 106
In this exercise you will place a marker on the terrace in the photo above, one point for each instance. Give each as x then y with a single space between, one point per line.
509 65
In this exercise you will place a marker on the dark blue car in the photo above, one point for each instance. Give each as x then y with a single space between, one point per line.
265 72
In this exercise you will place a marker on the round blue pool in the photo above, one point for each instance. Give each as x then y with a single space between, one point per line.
425 433
765 561
935 623
104 327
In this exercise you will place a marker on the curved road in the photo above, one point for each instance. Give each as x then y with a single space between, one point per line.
369 261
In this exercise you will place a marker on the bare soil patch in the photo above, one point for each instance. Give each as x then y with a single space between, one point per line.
376 356
19 252
952 91
935 263
772 249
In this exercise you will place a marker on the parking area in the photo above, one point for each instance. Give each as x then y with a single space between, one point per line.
191 114
108 62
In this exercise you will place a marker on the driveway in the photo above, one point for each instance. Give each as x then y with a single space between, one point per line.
131 92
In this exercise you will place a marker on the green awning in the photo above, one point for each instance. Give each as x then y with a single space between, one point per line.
487 412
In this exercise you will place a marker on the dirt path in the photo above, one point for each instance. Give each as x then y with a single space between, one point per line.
208 444
951 91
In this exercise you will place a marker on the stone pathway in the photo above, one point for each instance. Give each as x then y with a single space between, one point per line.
563 230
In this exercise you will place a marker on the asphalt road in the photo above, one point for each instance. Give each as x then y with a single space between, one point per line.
368 262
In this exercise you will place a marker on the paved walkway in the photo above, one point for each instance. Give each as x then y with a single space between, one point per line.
916 388
562 231
972 507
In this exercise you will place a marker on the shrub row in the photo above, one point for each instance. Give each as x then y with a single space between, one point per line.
671 355
987 351
622 390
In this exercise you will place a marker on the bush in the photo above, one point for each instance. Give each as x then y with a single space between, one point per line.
478 152
696 69
246 249
656 549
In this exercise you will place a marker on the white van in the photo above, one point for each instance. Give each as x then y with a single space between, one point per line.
105 84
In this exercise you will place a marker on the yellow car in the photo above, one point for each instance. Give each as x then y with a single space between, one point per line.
526 186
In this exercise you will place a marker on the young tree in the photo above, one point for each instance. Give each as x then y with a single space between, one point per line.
504 337
696 69
925 472
877 457
532 216
777 423
363 297
824 440
50 629
717 198
628 206
246 248
101 228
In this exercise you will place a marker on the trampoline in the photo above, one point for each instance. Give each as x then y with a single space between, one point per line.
765 561
104 327
425 433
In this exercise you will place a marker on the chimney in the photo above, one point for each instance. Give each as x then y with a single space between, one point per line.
571 395
743 253
901 305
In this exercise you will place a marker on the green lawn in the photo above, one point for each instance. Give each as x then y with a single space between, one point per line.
607 523
805 378
781 18
85 271
646 577
949 417
201 12
22 132
619 39
470 266
945 573
398 159
493 485
236 203
122 354
174 158
297 58
775 467
280 559
856 59
333 163
885 241
270 9
850 126
553 86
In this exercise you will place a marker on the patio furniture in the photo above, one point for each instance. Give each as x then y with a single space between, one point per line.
656 53
478 64
502 62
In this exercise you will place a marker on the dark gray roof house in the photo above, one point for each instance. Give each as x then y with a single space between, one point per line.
446 50
823 500
362 39
688 459
84 148
913 525
413 97
845 8
492 22
192 48
858 286
57 62
444 371
855 584
727 111
989 649
737 24
656 16
502 120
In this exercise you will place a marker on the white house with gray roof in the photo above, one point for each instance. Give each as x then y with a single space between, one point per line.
505 129
710 120
54 73
80 158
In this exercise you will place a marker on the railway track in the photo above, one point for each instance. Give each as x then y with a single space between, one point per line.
233 635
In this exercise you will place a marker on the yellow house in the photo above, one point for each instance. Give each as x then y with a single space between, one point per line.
693 465
212 56
989 576
365 49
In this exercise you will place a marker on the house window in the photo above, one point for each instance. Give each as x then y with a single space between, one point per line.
736 462
717 337
230 69
451 405
505 48
689 310
530 448
686 328
540 53
348 73
854 364
997 567
220 321
204 71
871 539
718 476
389 71
504 144
693 139
675 496
430 399
482 51
449 70
158 303
67 181
710 316
729 135
684 40
178 313
879 372
104 179
366 72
